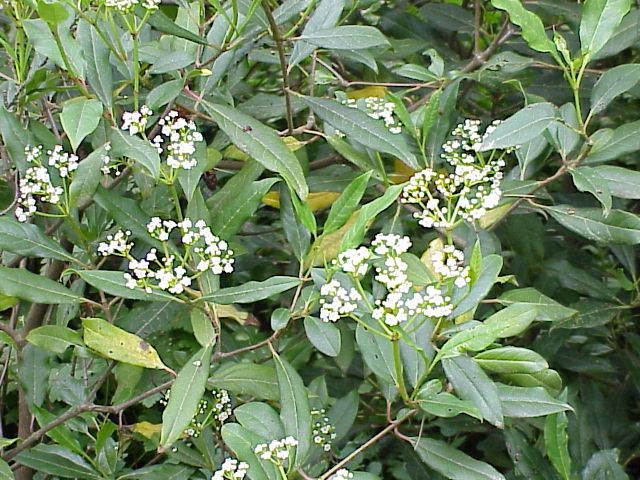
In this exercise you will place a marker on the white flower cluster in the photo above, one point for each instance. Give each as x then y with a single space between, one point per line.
342 301
449 263
208 252
37 180
342 474
231 469
277 451
323 432
377 108
125 6
182 136
136 122
466 193
222 406
402 302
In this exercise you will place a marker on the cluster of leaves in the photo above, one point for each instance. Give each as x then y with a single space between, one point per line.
192 193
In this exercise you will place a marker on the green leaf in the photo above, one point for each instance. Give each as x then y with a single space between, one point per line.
250 379
624 140
52 12
164 93
294 407
359 159
622 182
324 336
326 15
164 24
548 309
260 419
587 179
612 83
202 328
443 404
35 365
619 227
260 142
130 146
43 40
54 338
297 235
377 354
556 442
511 360
87 177
350 37
185 396
343 413
5 471
354 236
527 458
521 127
600 18
346 203
57 461
492 264
604 465
114 283
252 291
80 117
230 215
280 318
358 126
533 30
34 288
525 402
61 434
471 383
548 379
29 240
451 462
243 442
118 344
96 55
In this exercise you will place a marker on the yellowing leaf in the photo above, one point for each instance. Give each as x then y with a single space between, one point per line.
147 429
372 91
493 215
229 311
293 143
315 200
118 344
234 153
326 247
435 246
401 172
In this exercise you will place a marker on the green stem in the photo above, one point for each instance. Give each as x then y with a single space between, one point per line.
176 200
283 474
136 71
397 363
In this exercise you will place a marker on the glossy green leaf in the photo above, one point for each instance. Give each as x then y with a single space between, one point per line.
444 404
80 117
492 265
548 309
511 360
202 328
619 227
252 291
471 383
260 419
162 23
351 37
34 288
587 179
548 379
29 240
54 338
525 402
523 126
556 442
326 15
87 177
34 373
52 12
185 396
377 354
57 461
622 182
251 379
533 30
623 141
343 412
451 462
604 465
96 55
324 336
118 344
260 142
5 471
346 203
294 407
130 146
360 127
242 442
600 18
612 83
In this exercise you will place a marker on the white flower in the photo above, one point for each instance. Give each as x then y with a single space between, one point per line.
135 122
181 138
231 469
342 474
277 451
449 263
323 432
341 302
354 261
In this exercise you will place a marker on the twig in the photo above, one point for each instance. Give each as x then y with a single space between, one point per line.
392 426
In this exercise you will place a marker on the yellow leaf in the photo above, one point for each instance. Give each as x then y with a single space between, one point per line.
326 247
118 344
372 91
229 311
493 215
315 200
234 153
401 172
147 429
435 246
293 143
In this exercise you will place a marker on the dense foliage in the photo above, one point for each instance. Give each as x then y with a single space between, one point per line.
326 239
